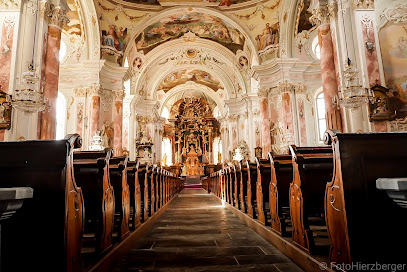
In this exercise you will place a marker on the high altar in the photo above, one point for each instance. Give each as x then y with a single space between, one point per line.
192 131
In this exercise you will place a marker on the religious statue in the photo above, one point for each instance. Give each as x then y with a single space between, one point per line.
108 134
192 162
164 159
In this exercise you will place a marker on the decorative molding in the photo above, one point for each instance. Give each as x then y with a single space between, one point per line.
106 99
95 90
301 88
363 4
324 14
301 39
396 14
256 112
263 92
285 87
118 95
10 4
55 15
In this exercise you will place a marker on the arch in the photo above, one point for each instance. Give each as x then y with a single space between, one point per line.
193 86
210 11
209 50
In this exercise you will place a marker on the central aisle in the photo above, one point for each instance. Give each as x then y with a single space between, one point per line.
197 234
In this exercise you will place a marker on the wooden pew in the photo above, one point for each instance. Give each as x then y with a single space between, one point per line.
364 224
204 182
243 188
262 189
148 192
312 170
251 169
223 184
231 188
135 195
92 175
50 225
118 179
236 191
158 187
142 181
281 177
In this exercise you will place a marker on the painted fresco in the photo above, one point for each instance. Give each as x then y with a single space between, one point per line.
264 27
393 42
185 2
203 25
303 15
114 37
182 76
75 21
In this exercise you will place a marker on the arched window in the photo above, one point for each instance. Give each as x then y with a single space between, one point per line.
62 51
321 119
166 150
165 113
61 116
217 149
316 49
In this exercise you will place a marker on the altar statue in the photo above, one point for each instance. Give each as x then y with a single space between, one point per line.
192 162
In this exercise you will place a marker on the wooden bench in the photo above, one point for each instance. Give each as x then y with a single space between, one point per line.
135 195
92 175
251 169
262 189
364 224
281 177
147 192
142 181
236 191
46 233
118 179
243 187
312 170
158 187
231 185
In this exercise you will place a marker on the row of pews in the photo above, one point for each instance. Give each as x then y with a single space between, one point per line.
326 191
84 202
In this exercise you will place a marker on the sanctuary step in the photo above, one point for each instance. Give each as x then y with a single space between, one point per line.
192 180
197 234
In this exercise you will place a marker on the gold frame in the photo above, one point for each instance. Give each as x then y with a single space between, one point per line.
258 152
5 120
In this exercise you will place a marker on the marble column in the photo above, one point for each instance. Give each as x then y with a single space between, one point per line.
321 17
265 122
94 93
57 18
80 102
118 96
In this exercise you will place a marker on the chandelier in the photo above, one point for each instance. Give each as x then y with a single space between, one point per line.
27 98
352 95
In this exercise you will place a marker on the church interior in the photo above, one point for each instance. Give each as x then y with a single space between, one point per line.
203 135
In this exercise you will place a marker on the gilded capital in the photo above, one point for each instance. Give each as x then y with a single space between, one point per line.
263 92
118 95
95 90
80 92
55 15
10 4
286 87
324 14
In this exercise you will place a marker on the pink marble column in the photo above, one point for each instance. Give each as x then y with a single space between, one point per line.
48 117
329 79
94 111
7 36
118 122
265 123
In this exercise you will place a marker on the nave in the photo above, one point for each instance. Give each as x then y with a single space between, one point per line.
198 233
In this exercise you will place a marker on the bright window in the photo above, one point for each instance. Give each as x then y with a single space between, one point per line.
166 150
317 51
61 116
320 104
165 113
62 51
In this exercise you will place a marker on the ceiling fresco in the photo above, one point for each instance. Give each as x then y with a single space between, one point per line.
203 25
188 2
183 76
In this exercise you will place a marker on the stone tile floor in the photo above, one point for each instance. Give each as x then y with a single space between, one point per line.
196 233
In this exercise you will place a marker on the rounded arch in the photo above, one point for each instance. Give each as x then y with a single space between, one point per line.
212 58
251 43
287 24
196 87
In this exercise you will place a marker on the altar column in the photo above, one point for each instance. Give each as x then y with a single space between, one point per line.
57 19
321 16
118 96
